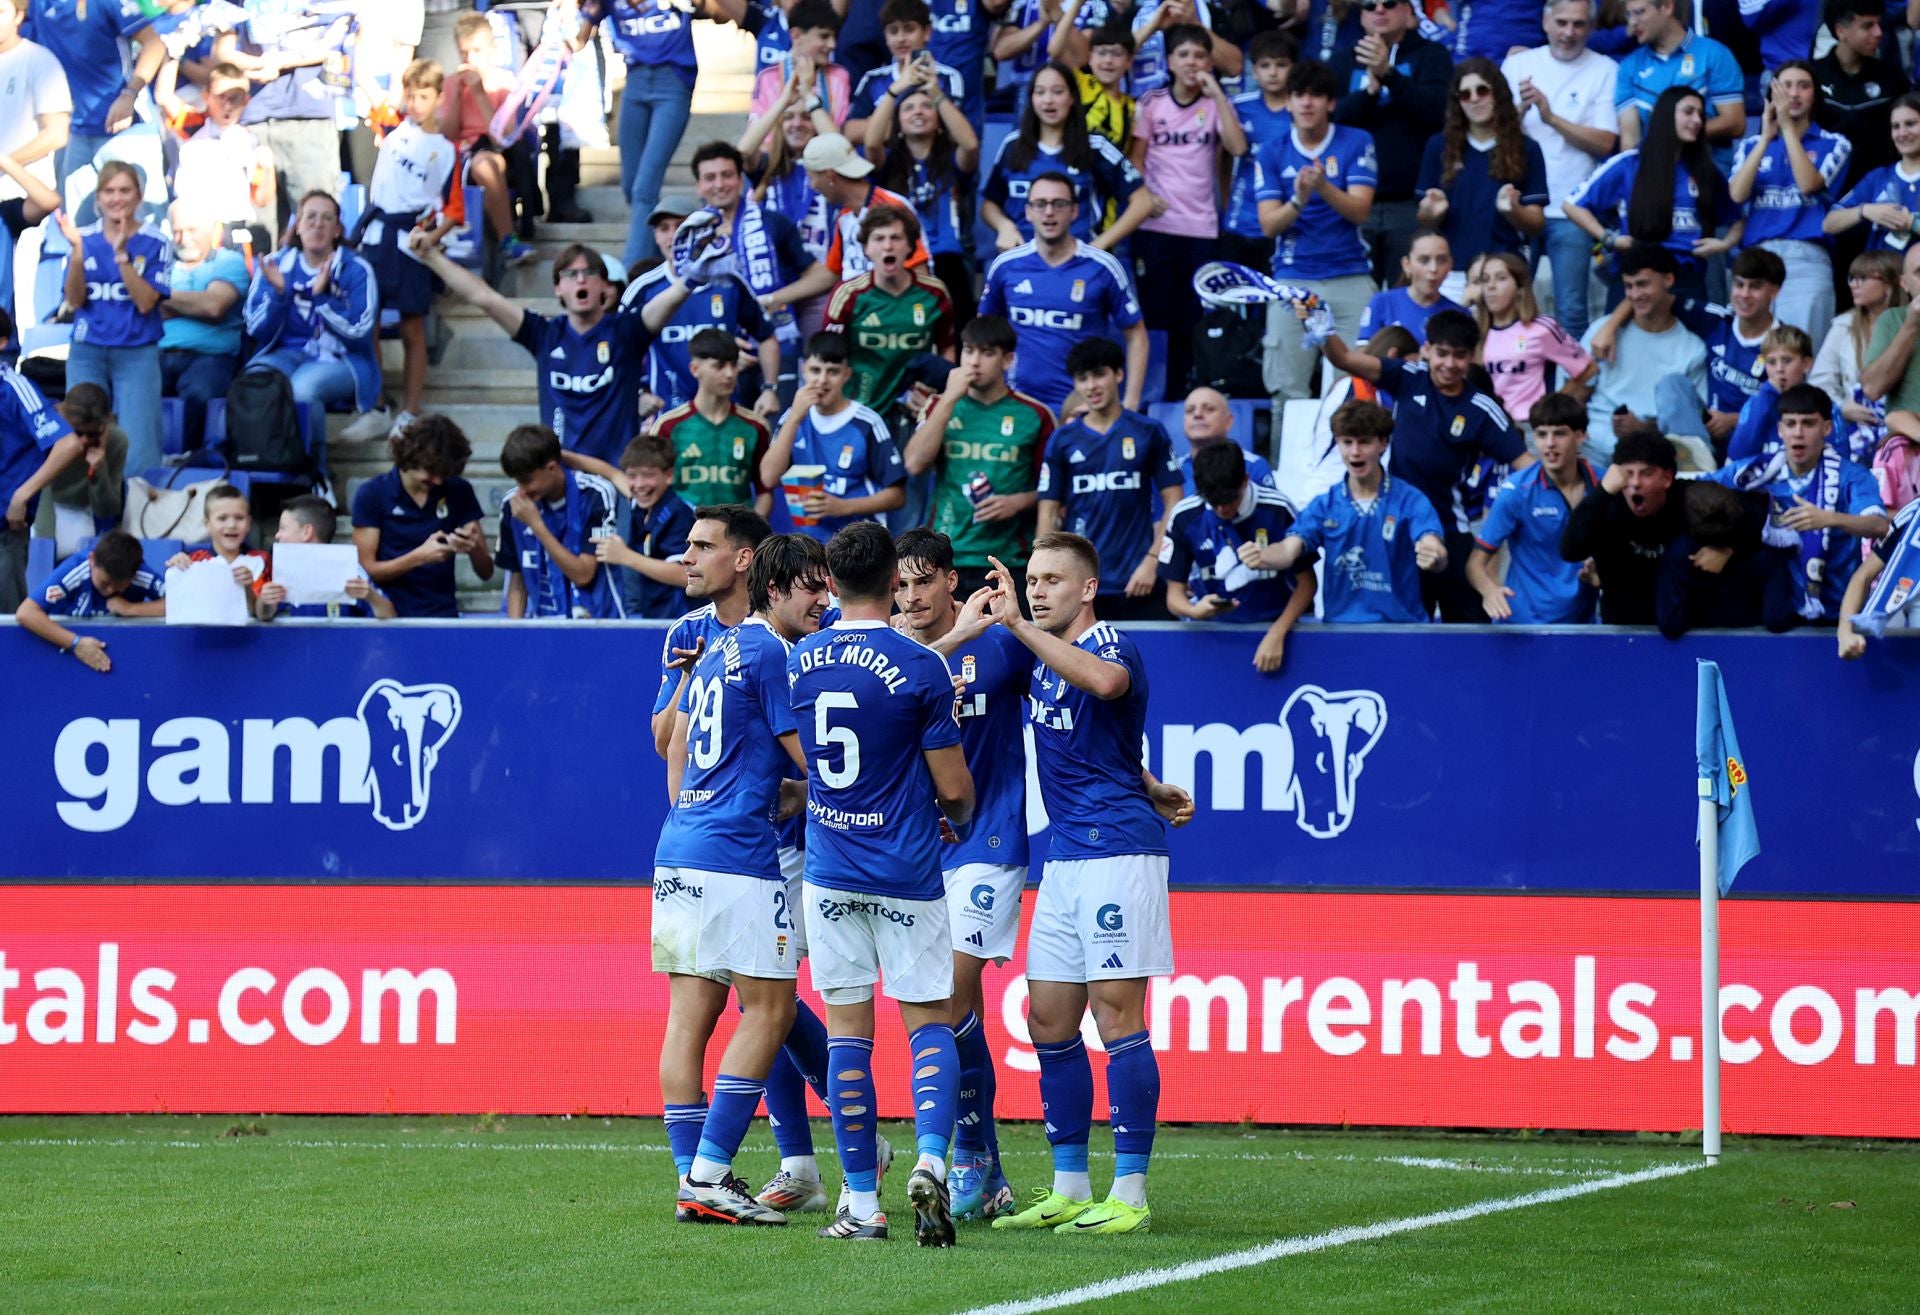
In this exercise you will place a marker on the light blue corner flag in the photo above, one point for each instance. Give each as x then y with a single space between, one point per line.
1723 776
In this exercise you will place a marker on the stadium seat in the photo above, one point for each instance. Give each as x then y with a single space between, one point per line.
216 441
353 201
154 554
173 426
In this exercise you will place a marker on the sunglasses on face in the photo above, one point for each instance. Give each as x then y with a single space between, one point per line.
1478 91
1368 6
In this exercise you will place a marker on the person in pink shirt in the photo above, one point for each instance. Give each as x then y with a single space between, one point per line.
815 28
1179 131
1517 342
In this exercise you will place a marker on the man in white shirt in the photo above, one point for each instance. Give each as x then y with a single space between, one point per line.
1566 96
35 106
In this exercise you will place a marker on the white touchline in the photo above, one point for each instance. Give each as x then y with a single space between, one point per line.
1338 1237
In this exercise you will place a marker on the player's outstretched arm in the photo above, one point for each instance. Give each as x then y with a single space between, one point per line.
1081 669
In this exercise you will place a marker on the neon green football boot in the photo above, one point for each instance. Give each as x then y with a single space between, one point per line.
1111 1216
1047 1209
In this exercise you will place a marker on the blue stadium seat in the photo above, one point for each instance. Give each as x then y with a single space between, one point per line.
173 426
154 554
40 560
994 132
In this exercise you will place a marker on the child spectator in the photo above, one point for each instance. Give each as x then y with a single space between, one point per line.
19 213
547 533
962 32
1787 356
409 190
657 524
864 475
717 445
229 524
1527 516
1482 182
1518 344
892 316
106 580
223 166
200 335
117 276
1378 535
813 28
313 313
479 85
87 497
1099 480
1325 469
1178 137
726 303
1102 83
1873 280
410 523
1052 137
909 26
1426 266
1200 563
1263 118
1154 23
1652 347
930 154
310 518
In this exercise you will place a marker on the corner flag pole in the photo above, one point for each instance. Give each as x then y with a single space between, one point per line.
1709 974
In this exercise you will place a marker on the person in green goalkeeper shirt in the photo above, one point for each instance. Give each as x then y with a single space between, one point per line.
895 315
717 445
978 427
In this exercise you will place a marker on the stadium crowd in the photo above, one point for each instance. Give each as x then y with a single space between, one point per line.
1526 314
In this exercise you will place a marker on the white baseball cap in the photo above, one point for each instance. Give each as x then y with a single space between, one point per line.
831 152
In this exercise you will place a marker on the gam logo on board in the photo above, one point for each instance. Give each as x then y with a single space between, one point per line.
384 756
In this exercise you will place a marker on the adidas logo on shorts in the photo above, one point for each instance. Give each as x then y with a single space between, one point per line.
977 941
1113 961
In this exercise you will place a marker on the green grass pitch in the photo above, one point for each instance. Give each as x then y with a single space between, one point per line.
463 1215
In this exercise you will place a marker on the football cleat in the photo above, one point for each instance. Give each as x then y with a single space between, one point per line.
998 1199
1111 1216
726 1202
1046 1209
792 1193
932 1210
882 1161
847 1228
967 1180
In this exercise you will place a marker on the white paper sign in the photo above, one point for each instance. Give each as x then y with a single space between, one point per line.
205 594
315 573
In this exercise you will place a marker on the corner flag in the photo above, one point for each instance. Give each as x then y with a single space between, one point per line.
1723 777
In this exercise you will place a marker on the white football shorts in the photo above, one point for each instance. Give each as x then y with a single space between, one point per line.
1101 919
983 908
856 939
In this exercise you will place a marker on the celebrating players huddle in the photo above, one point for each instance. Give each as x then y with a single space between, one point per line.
899 738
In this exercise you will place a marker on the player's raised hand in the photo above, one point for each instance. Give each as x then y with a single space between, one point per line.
1004 601
685 659
976 615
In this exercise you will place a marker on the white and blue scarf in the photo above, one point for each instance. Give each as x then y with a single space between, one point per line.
1812 544
1899 579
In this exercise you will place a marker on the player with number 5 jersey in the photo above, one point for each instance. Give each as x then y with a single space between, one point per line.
875 713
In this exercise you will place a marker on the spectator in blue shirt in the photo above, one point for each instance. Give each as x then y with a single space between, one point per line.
1427 265
1315 188
1671 55
117 276
1528 515
106 580
201 319
88 38
1483 182
1263 118
548 528
1785 29
658 521
1377 533
1789 173
1052 137
410 523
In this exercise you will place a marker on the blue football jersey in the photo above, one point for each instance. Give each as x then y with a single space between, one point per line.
737 709
1887 185
1778 210
1108 176
701 623
589 506
1527 516
1087 751
726 303
69 590
1320 245
1262 125
868 701
1371 574
859 453
110 319
961 33
589 383
1109 483
994 668
1052 307
29 427
1202 552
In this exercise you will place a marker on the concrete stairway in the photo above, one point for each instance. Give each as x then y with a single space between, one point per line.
485 381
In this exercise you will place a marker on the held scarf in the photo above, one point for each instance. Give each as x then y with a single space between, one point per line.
1813 544
557 593
1899 579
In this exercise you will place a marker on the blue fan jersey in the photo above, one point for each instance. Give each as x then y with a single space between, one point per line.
69 592
737 709
1087 752
589 383
961 34
859 453
1609 189
110 319
1320 245
648 32
1262 125
1527 516
1202 552
588 506
938 205
1110 176
1052 307
726 303
29 427
1735 370
1259 473
1778 210
1887 185
1438 440
1397 306
1108 483
88 37
869 702
994 667
1371 574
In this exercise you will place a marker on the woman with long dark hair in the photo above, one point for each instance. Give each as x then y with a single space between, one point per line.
1483 182
928 153
1668 192
1053 137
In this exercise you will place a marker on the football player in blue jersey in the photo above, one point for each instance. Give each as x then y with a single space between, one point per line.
875 712
1101 925
985 874
720 911
719 551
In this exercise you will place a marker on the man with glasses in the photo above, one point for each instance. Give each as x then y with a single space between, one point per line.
1565 92
591 361
1393 85
1056 291
1671 55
